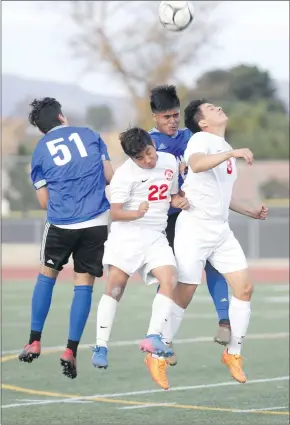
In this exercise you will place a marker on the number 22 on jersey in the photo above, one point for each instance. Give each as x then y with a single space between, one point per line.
158 193
56 147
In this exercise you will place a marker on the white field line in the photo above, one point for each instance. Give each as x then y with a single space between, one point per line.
40 402
144 392
260 410
145 406
266 336
191 387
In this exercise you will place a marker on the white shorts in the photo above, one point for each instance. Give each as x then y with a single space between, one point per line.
136 249
197 241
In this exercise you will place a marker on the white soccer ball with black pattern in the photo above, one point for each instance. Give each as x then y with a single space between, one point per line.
176 15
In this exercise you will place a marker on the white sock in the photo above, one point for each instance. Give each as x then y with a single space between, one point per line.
105 317
173 323
161 310
239 314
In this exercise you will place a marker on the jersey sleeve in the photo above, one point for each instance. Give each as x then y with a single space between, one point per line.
175 185
102 146
120 188
197 144
36 173
104 150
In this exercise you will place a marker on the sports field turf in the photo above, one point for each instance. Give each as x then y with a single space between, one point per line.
202 390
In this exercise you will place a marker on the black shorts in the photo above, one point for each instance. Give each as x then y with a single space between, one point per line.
85 245
170 229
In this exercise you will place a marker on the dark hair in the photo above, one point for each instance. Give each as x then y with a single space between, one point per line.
193 114
134 141
164 98
44 114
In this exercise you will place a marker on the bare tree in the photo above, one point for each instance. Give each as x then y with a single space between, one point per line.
125 39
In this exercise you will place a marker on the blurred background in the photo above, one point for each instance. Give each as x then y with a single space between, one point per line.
100 60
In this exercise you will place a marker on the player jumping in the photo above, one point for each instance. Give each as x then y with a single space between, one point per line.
168 137
203 232
70 169
141 192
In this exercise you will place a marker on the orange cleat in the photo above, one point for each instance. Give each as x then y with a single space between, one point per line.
234 363
157 368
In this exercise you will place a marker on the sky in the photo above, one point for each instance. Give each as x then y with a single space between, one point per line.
35 36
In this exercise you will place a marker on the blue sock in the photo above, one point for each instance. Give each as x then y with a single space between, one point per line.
218 290
80 310
41 300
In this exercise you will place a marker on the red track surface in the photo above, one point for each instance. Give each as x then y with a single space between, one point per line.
259 274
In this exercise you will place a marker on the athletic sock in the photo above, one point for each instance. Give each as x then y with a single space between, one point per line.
218 290
79 313
41 301
105 317
161 310
173 323
240 313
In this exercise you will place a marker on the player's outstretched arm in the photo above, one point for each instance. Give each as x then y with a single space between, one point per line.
42 196
259 213
200 162
119 214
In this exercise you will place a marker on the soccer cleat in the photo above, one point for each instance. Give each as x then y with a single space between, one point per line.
223 336
171 360
234 363
100 357
157 368
154 345
69 364
30 352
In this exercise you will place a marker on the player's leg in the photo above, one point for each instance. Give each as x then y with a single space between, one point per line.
182 297
174 321
161 268
115 286
170 232
219 292
87 251
230 260
54 253
190 258
123 257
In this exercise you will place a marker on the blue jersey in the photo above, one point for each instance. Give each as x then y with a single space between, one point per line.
175 145
69 161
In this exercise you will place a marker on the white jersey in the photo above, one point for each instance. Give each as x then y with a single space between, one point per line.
132 185
210 192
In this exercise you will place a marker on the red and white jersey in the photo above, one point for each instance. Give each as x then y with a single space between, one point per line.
210 192
132 185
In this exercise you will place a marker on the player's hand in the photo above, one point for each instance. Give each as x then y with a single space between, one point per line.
143 208
244 153
260 213
183 204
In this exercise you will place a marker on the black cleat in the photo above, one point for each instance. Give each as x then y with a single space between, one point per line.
30 352
223 335
69 364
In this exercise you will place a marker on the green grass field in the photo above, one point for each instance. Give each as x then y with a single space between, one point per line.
202 391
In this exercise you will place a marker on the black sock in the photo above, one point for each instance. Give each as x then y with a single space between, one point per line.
34 336
224 322
73 345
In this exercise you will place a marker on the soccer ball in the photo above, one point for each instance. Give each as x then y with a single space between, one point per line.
176 15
